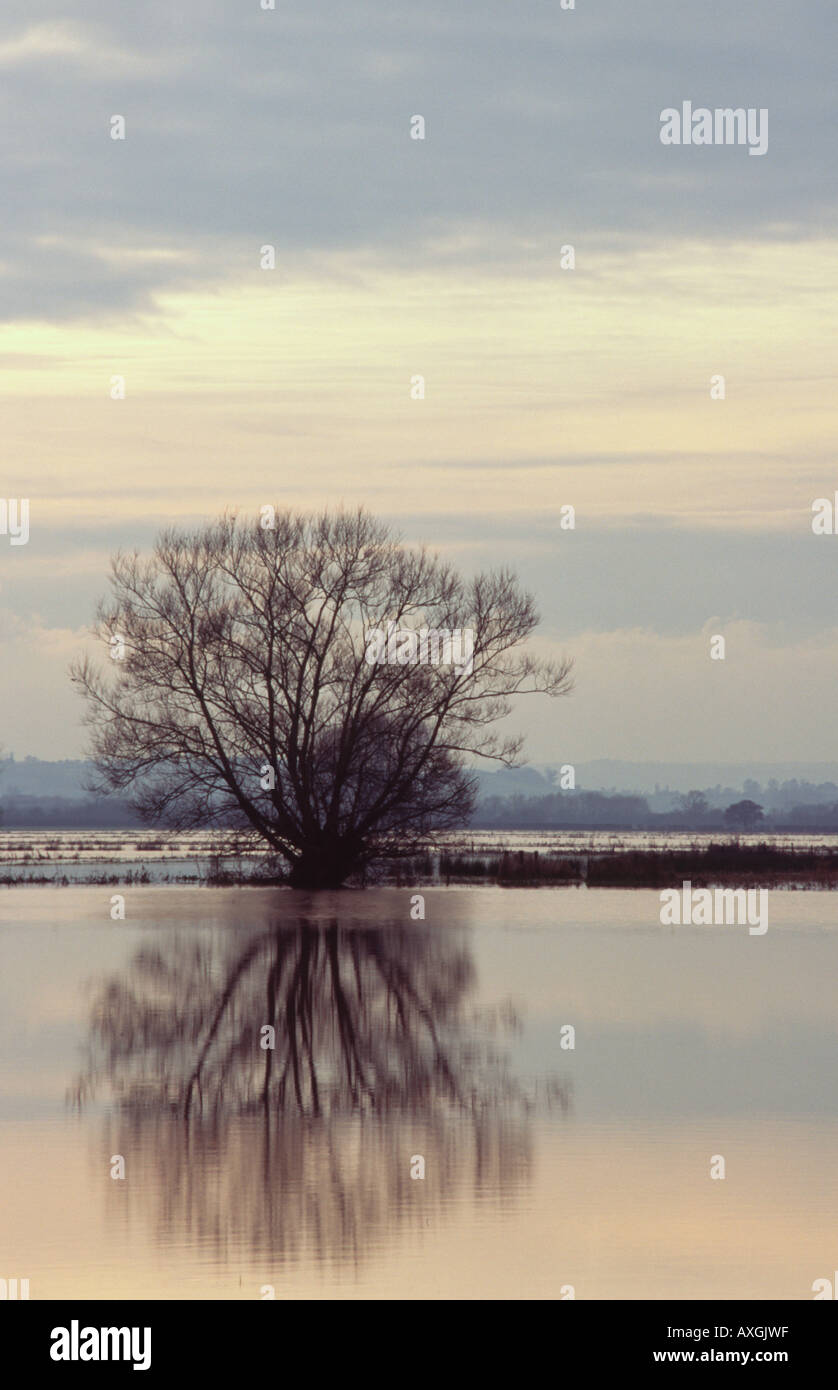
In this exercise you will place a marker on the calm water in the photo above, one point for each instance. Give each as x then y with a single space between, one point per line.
290 1166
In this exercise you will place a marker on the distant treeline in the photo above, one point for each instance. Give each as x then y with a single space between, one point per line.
586 810
773 796
582 810
66 813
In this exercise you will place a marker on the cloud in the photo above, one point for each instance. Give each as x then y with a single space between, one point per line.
41 48
245 126
653 696
41 710
41 41
635 611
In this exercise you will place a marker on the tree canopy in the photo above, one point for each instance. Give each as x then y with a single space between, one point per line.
244 689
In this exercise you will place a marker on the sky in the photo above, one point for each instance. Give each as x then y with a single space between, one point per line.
544 387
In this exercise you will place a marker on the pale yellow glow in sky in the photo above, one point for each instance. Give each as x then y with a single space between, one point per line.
295 387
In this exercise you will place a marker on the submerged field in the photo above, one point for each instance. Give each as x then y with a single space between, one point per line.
606 859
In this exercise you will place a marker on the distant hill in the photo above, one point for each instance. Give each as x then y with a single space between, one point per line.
605 774
35 793
32 777
514 781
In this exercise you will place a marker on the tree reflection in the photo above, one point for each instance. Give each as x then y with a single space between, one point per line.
377 1057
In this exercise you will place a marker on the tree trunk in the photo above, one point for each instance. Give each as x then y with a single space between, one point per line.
321 866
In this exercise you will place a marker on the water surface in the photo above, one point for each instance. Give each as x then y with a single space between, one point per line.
289 1168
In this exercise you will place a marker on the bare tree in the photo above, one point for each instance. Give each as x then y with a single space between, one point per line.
245 695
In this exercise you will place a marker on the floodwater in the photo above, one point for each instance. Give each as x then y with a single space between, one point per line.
401 1045
157 856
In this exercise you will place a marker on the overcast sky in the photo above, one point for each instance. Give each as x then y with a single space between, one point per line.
440 257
